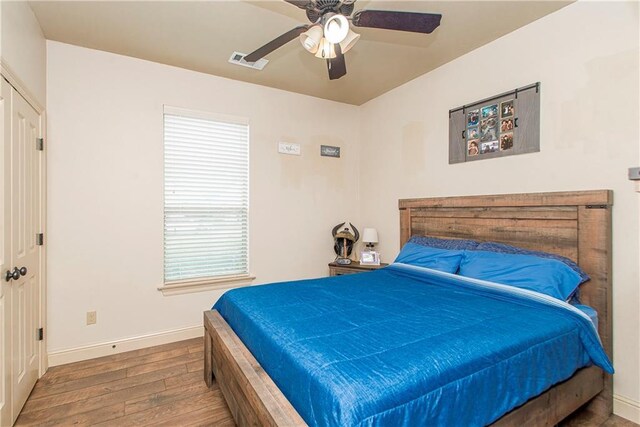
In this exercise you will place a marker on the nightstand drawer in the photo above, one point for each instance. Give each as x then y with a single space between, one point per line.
339 271
355 267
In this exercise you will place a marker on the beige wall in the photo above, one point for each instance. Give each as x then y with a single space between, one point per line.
23 47
586 57
105 189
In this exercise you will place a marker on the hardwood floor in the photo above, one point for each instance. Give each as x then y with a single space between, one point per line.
159 386
588 419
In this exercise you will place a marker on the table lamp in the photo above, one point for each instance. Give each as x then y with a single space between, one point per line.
370 237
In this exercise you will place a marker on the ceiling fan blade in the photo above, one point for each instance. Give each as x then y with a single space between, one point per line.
336 66
402 21
275 43
302 4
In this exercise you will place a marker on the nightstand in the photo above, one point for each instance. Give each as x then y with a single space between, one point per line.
336 269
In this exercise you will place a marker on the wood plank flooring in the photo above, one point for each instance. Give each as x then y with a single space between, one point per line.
159 386
583 418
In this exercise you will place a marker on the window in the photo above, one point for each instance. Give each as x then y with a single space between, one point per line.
206 197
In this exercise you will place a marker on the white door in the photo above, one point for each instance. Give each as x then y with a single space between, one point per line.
22 162
5 253
25 224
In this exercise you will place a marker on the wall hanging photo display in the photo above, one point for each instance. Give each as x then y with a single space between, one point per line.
503 125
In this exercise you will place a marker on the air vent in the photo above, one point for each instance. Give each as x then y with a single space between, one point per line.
238 59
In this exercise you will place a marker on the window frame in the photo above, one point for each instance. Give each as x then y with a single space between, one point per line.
200 284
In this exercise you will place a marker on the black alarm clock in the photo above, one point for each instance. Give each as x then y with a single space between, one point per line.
343 261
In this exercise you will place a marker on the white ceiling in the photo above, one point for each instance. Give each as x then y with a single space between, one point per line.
201 35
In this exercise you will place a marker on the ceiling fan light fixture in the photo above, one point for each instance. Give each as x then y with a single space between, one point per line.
326 50
311 38
336 27
349 41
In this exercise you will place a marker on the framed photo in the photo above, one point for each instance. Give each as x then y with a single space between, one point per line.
473 117
506 141
369 258
506 125
472 148
489 147
489 111
472 133
489 129
506 108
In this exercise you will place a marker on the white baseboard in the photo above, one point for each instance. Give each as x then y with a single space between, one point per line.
119 346
626 408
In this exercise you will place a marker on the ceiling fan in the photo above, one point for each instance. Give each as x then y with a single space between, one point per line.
329 35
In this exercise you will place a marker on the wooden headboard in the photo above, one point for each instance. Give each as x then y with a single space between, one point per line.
574 224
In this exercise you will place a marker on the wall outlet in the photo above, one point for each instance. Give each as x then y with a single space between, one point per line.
289 148
91 317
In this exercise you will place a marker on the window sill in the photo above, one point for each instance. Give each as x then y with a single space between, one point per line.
201 285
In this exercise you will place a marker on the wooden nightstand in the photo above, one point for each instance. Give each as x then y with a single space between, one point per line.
355 267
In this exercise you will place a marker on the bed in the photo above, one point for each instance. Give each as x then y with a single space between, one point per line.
574 224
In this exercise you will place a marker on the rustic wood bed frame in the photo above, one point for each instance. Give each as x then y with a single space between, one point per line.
576 225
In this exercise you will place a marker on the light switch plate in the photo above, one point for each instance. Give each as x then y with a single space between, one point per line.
634 174
289 148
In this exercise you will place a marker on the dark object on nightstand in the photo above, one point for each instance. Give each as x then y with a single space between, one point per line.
336 269
343 242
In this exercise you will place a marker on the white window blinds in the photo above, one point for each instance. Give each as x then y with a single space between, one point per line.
206 196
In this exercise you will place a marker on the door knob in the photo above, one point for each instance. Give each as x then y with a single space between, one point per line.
15 274
23 271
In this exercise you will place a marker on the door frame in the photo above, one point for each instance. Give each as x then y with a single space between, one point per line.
13 80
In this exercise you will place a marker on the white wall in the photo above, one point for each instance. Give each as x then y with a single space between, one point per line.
586 57
23 47
105 189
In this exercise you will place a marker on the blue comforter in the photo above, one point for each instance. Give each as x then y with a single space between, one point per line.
408 346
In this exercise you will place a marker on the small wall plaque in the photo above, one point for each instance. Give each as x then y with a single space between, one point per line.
329 151
289 148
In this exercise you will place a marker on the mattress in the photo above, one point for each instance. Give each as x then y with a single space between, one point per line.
407 346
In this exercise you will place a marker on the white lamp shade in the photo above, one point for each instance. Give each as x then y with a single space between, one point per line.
311 38
336 28
349 41
326 50
370 235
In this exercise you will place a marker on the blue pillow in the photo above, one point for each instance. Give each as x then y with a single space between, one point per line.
547 276
424 256
456 244
508 249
